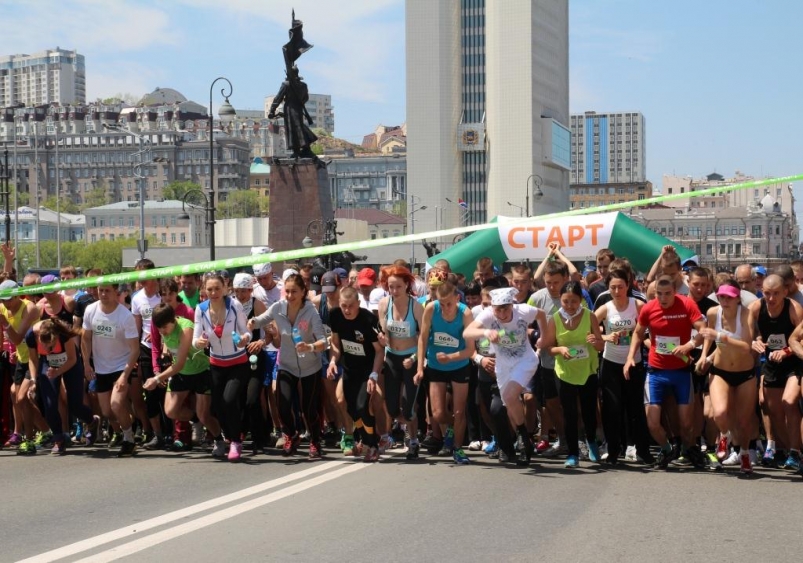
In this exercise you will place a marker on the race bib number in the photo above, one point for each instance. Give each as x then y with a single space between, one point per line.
104 331
665 344
578 353
398 329
147 312
446 340
776 342
57 360
353 348
484 347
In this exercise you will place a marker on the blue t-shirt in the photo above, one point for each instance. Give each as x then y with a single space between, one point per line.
446 337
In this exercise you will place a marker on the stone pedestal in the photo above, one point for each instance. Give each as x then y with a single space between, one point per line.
299 194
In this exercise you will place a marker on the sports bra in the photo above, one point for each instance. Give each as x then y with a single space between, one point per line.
403 328
739 329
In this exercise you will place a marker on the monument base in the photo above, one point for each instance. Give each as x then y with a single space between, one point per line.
299 194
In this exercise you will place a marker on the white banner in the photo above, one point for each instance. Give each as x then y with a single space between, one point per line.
579 237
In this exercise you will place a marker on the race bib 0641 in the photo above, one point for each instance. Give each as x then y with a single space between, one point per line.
353 348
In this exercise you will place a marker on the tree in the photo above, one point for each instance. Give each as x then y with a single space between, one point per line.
96 197
23 198
65 205
177 191
239 204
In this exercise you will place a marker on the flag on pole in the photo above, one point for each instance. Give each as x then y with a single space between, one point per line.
462 203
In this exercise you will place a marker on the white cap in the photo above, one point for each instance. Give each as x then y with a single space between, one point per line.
255 250
243 281
504 296
262 269
287 273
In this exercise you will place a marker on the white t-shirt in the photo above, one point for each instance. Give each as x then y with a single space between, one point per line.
110 334
143 306
514 355
376 296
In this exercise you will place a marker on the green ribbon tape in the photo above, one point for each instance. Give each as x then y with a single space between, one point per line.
202 267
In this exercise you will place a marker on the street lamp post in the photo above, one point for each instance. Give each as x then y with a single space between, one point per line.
520 208
537 181
330 234
464 212
226 111
412 226
208 213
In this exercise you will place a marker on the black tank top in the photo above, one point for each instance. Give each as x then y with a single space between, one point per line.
62 315
775 333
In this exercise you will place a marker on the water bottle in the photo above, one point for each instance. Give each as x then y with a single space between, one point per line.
296 339
236 338
253 360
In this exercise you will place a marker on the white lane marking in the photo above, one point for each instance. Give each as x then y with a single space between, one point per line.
137 527
135 546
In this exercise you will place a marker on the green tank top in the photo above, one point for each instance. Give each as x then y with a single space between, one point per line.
585 360
197 362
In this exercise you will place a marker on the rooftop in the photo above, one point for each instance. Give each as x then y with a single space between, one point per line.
149 204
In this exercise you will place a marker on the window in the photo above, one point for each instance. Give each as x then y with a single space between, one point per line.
164 238
755 230
94 238
670 190
183 238
130 221
756 249
737 249
172 238
722 249
173 220
709 249
94 224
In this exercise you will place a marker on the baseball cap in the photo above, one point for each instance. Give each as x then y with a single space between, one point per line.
760 271
366 276
329 282
341 273
315 278
8 284
243 281
50 278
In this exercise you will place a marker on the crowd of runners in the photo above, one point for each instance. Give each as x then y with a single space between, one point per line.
679 367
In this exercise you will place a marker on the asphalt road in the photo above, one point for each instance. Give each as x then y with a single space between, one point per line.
160 506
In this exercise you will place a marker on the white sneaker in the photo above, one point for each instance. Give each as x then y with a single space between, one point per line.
603 451
630 454
475 446
198 433
555 450
219 450
753 457
732 460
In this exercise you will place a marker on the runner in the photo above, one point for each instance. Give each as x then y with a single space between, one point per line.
670 319
574 340
189 373
110 349
732 389
447 355
302 341
505 325
356 347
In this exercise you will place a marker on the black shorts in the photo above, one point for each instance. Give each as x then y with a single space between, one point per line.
459 375
733 378
144 363
198 383
546 384
777 379
21 373
105 381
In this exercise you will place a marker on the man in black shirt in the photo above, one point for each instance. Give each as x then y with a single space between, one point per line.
355 346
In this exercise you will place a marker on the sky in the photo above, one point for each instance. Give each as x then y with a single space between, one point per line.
717 81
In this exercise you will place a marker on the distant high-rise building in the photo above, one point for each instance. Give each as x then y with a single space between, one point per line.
487 108
320 109
52 76
608 148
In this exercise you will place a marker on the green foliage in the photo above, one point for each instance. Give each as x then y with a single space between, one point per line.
96 197
321 132
23 198
177 191
64 205
242 203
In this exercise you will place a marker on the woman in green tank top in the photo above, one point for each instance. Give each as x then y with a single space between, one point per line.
574 340
188 374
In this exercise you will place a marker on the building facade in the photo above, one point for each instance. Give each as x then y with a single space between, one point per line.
320 109
28 224
487 107
584 196
375 182
608 148
379 223
165 221
52 76
724 238
673 185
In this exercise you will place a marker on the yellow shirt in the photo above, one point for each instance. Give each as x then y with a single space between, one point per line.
15 321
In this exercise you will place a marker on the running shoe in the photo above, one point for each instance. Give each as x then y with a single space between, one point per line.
542 446
305 436
330 436
385 443
682 461
198 433
219 449
412 451
722 447
155 443
491 447
59 446
342 442
503 456
27 447
13 441
593 451
603 451
347 445
572 462
280 441
475 446
127 449
556 449
371 455
485 444
630 454
753 456
792 462
664 458
116 439
91 433
314 451
583 449
179 446
448 439
732 460
768 459
713 461
235 451
460 457
43 439
747 466
445 451
524 449
696 457
289 447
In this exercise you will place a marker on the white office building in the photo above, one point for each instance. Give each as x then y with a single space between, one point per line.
56 75
608 148
487 108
